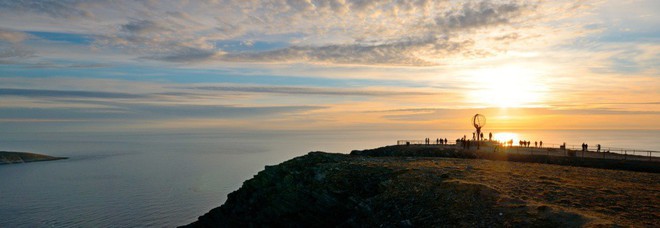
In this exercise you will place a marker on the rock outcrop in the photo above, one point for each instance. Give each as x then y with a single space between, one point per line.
7 157
330 190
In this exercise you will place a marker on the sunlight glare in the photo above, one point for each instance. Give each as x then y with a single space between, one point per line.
507 86
506 136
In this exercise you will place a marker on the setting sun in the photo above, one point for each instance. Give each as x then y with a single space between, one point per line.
507 87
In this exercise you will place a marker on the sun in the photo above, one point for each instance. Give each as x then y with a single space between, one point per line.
506 136
507 86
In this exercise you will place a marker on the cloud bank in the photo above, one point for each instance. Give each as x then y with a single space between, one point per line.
399 33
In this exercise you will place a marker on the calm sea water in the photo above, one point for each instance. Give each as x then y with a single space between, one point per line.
164 180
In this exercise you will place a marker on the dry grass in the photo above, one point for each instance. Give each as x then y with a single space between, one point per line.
601 197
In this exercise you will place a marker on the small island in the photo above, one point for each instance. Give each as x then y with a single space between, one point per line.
432 186
8 157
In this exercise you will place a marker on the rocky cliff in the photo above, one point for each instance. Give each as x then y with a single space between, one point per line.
329 190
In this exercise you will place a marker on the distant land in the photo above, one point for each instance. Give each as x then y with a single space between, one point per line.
7 157
431 186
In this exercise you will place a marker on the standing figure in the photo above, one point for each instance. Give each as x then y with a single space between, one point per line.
541 144
490 136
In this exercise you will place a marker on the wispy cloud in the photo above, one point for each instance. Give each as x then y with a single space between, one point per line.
65 93
129 112
53 8
311 91
12 36
405 33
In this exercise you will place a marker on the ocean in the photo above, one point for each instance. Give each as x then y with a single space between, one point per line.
168 179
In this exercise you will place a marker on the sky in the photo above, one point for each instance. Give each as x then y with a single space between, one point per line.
344 65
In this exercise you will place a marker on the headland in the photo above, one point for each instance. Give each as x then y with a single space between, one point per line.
7 157
430 186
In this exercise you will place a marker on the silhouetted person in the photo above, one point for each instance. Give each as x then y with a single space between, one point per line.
541 144
536 144
474 136
598 148
445 140
481 136
490 136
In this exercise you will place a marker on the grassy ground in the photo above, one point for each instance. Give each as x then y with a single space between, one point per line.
586 196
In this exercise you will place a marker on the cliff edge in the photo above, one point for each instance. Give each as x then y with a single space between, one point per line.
329 190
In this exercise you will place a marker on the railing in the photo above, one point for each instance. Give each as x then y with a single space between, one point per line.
554 149
422 142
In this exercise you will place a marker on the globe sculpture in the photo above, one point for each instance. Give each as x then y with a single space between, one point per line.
478 121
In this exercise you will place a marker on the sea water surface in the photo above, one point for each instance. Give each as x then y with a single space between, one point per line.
169 179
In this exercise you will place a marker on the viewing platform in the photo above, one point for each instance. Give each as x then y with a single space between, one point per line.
548 149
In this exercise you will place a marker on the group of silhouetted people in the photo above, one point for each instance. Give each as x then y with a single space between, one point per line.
441 141
585 147
481 136
465 143
523 143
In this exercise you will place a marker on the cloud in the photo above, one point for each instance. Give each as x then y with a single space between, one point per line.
184 55
308 91
404 33
14 54
64 93
477 15
53 8
347 32
430 114
428 51
149 112
12 36
143 27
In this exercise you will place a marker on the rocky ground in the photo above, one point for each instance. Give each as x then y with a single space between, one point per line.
328 190
23 157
